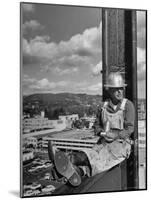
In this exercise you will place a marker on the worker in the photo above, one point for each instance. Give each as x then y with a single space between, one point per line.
114 125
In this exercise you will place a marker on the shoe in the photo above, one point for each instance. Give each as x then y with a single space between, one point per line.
66 168
75 179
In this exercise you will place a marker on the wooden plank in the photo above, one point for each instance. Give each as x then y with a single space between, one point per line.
72 147
72 144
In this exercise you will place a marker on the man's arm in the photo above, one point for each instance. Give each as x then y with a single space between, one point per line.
98 126
129 121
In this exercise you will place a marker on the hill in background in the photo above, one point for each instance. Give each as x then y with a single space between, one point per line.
61 103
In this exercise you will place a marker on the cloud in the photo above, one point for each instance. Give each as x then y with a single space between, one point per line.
28 8
141 73
32 85
44 38
45 84
31 28
96 70
25 47
141 29
60 71
81 50
141 63
42 85
141 55
141 38
27 80
142 89
84 52
96 87
141 19
30 52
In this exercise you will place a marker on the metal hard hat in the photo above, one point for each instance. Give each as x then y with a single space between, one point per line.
115 80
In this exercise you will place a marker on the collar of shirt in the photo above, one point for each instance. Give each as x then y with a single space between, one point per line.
113 108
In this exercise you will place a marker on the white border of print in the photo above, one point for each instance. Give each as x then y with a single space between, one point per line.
10 101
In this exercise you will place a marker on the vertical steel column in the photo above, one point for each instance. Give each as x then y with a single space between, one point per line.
131 90
119 48
113 42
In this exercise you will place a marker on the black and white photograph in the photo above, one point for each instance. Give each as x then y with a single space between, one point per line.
83 99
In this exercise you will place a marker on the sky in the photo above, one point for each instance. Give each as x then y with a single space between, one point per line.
62 49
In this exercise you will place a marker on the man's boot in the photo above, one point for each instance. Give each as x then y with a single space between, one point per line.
67 169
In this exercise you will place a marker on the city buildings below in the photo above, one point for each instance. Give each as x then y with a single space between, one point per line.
69 119
141 115
141 105
39 126
142 153
33 124
90 120
41 123
28 156
30 141
141 108
141 134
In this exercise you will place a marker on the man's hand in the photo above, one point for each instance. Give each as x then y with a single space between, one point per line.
97 131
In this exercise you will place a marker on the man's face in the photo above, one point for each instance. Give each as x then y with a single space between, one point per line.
116 93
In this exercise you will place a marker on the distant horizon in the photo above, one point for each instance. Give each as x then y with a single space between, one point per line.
71 93
62 93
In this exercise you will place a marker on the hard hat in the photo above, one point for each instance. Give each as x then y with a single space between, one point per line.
115 80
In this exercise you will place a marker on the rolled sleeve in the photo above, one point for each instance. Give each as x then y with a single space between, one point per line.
129 121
